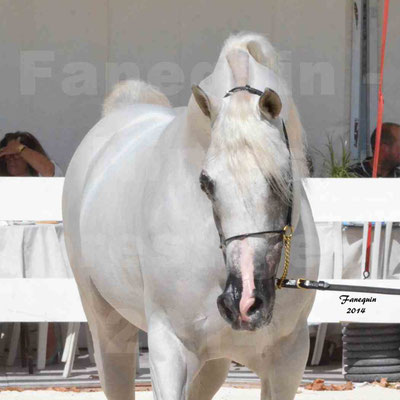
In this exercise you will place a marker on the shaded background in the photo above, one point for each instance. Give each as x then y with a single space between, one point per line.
77 45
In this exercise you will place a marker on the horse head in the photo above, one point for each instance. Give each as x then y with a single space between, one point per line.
247 177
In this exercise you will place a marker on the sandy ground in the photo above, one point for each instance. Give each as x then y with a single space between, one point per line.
225 393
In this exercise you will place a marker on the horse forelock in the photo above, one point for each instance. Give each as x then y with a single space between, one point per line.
247 141
258 47
240 132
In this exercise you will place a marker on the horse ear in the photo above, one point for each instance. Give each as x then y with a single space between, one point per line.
270 104
256 52
207 103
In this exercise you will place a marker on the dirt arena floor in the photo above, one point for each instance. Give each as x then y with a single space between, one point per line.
241 384
367 392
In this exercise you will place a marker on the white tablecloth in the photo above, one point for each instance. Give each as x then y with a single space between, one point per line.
38 251
33 251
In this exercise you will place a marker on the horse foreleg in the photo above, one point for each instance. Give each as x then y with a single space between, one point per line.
115 348
282 375
210 378
172 365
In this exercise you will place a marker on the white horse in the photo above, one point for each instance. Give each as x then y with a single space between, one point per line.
143 239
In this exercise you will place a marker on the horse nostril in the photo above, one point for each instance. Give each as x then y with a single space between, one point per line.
228 313
226 307
255 307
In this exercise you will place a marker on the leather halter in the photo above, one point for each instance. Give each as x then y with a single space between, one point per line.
247 88
225 242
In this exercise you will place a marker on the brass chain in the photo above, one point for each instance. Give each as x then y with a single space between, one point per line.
287 239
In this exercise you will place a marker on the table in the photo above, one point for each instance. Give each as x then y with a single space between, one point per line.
33 251
35 272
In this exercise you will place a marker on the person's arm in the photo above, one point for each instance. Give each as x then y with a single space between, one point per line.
40 163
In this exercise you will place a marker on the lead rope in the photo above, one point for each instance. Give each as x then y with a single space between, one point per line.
287 241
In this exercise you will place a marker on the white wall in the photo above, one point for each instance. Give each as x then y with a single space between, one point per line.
68 31
145 33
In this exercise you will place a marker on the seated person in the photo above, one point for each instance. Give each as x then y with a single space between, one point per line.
389 154
21 154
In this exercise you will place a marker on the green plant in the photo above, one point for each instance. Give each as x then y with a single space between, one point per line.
337 166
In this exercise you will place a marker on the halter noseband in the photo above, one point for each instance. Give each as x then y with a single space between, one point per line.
287 231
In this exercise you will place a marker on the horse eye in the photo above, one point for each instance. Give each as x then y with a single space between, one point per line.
206 184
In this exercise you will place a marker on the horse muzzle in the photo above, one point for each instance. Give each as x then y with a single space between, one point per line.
256 312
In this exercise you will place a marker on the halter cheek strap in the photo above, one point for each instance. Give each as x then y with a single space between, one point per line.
225 242
287 231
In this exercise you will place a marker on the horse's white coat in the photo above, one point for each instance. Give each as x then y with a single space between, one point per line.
145 251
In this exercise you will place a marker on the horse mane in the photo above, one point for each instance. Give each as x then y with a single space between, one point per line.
246 137
129 92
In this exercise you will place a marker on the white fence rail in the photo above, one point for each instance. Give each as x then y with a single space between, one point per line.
331 200
359 200
31 199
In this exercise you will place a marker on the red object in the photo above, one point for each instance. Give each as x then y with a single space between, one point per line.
380 94
378 126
